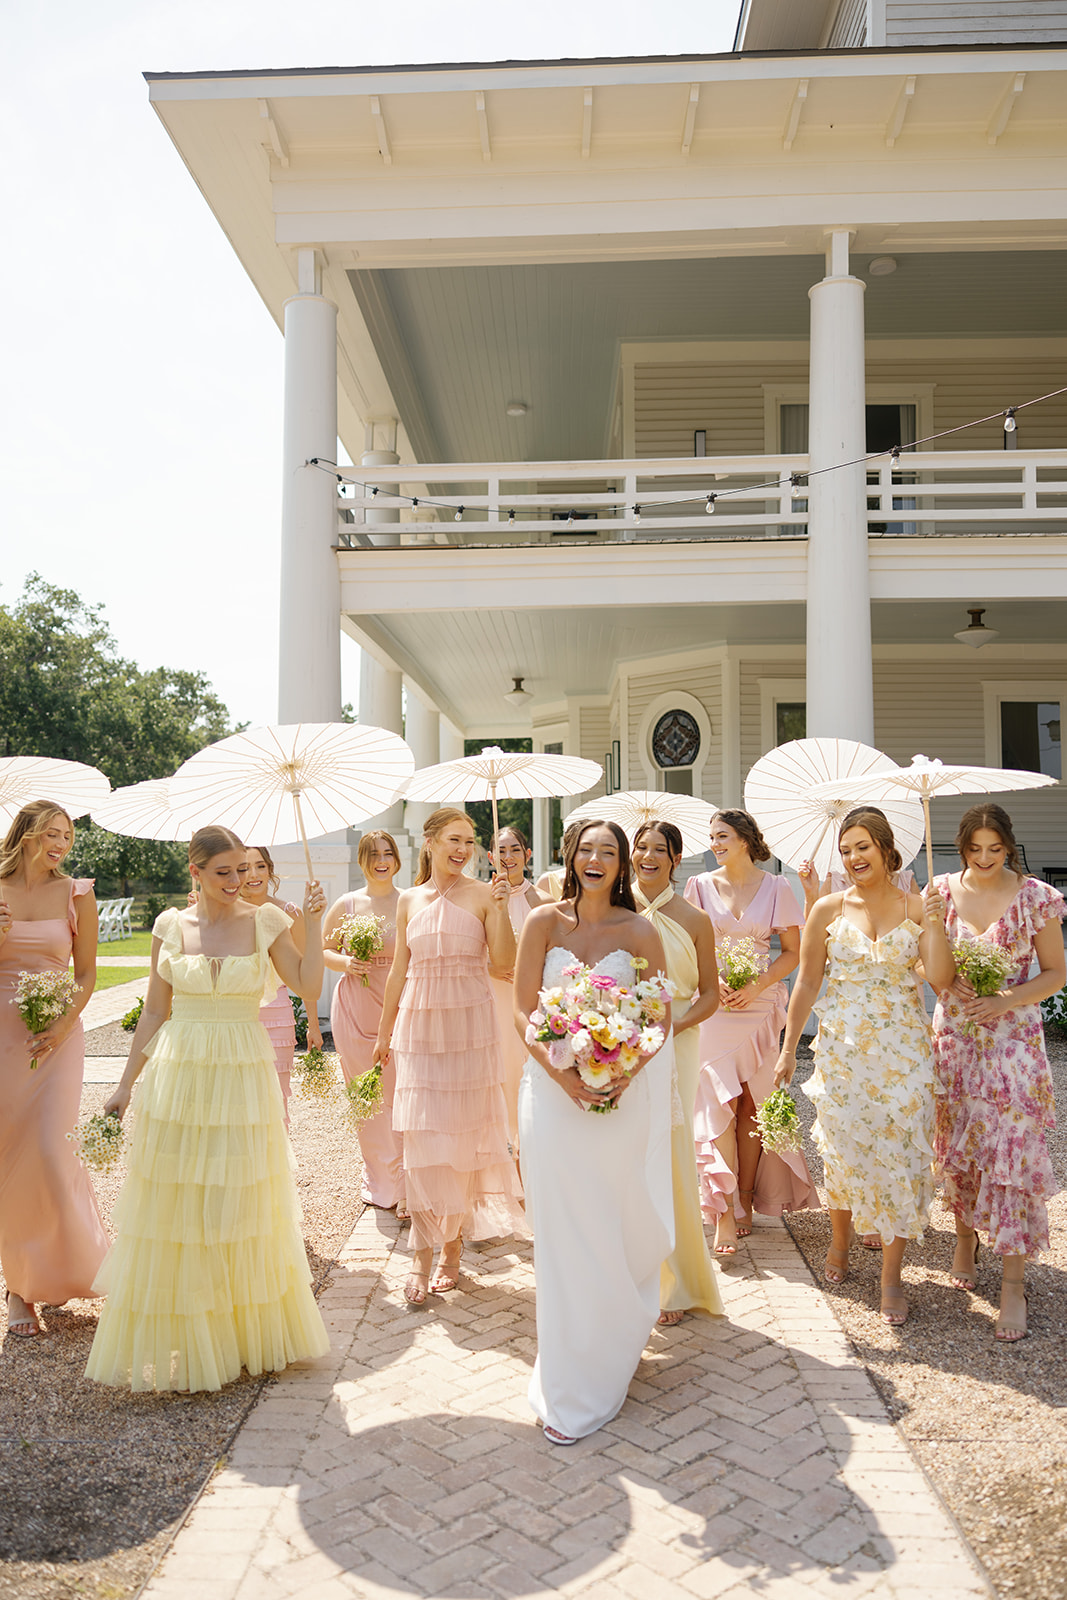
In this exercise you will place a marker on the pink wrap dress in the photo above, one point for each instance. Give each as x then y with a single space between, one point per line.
742 1047
355 1012
52 1240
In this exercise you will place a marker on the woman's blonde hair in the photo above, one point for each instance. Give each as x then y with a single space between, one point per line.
212 841
32 821
432 828
369 841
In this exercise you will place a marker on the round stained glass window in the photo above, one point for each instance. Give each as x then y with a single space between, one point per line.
676 740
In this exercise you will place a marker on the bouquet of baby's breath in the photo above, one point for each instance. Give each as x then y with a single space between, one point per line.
365 1097
42 998
362 937
99 1141
985 966
777 1123
739 962
316 1075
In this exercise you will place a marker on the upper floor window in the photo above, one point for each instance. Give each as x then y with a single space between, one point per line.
1030 736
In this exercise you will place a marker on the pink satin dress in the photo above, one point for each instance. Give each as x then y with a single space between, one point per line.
278 1019
739 1047
512 1049
52 1240
355 1012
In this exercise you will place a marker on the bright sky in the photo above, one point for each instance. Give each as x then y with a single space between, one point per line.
141 398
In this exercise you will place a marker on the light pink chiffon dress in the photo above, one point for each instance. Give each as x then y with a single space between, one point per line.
355 1012
449 1107
277 1017
739 1047
512 1048
52 1240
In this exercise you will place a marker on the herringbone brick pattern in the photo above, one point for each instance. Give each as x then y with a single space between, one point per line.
753 1457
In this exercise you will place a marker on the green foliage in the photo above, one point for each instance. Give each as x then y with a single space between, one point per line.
133 1016
1054 1012
154 906
512 813
112 858
300 1018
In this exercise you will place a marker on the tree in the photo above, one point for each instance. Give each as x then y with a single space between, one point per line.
65 691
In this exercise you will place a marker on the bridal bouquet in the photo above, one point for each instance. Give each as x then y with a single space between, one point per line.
99 1141
362 937
41 999
603 1028
985 966
739 962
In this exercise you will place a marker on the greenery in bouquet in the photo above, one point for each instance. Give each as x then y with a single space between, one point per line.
41 998
300 1021
316 1074
985 966
365 1095
739 962
133 1016
363 937
99 1141
778 1124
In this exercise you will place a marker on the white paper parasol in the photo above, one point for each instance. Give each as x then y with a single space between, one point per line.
799 792
925 778
71 784
504 774
631 808
142 811
277 784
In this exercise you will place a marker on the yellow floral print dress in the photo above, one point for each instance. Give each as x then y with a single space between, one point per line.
873 1084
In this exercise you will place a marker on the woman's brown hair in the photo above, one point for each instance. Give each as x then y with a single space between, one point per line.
672 837
621 892
212 841
879 830
268 861
988 815
365 848
32 821
435 824
748 831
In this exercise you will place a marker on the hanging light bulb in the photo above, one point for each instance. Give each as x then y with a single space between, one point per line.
414 503
637 513
511 519
709 505
976 634
796 490
894 455
1009 420
374 490
459 514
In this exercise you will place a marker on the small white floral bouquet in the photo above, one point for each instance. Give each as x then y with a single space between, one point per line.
316 1074
777 1123
99 1141
365 1096
739 962
985 966
42 998
603 1028
362 937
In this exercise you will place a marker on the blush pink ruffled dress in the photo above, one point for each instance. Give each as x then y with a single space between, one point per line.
512 1048
355 1012
449 1105
52 1240
739 1047
994 1091
278 1019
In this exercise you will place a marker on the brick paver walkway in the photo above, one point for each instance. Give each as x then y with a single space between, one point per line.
753 1457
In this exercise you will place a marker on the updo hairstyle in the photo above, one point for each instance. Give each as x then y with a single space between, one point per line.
748 831
212 841
987 815
876 825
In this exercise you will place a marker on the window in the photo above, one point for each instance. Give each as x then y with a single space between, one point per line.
791 721
1030 736
675 750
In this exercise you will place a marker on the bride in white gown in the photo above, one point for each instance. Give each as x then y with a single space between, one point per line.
598 1188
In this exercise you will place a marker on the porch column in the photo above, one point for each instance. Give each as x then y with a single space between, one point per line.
309 646
422 729
384 517
840 689
381 706
451 742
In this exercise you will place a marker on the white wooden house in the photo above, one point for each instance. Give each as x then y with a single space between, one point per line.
557 292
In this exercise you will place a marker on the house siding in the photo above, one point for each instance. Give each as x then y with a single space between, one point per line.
849 28
594 729
974 22
702 680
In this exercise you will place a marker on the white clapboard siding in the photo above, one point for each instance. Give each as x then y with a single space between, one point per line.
849 28
974 21
704 682
673 400
594 726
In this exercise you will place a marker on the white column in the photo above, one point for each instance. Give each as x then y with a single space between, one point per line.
309 648
381 706
422 730
450 742
539 841
378 516
840 691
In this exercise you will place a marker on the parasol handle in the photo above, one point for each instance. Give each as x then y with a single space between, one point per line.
496 823
929 846
303 835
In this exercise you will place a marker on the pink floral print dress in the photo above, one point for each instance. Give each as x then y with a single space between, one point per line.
994 1092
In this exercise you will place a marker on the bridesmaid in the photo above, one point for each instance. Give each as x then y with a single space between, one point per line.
687 1279
260 888
510 857
356 1011
449 1104
739 1045
51 1238
550 883
993 1085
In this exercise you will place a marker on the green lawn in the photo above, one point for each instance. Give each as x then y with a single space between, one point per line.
139 945
108 977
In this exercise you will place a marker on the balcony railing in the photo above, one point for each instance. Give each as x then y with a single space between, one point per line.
976 493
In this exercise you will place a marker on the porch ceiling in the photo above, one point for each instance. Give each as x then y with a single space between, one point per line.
466 659
458 343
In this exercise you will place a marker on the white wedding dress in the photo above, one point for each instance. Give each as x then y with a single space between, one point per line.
599 1200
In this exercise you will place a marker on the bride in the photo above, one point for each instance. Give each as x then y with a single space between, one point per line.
598 1188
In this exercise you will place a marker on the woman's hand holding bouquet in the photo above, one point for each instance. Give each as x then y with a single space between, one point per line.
596 1034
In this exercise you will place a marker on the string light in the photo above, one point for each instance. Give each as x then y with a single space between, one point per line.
511 519
796 490
1009 420
637 513
709 505
459 514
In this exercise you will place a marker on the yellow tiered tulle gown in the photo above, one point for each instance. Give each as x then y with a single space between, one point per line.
208 1272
